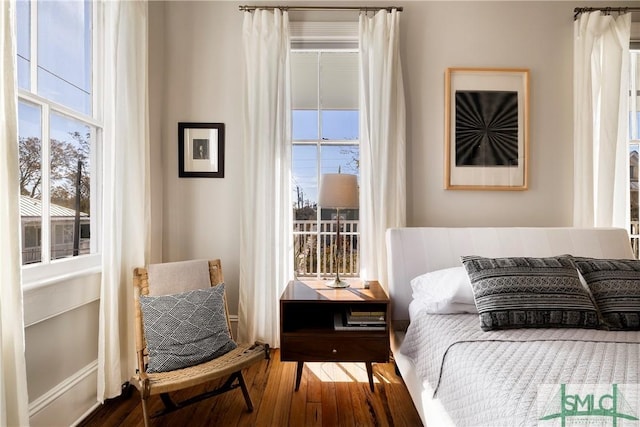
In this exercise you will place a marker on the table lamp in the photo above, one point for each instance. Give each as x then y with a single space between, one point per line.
338 191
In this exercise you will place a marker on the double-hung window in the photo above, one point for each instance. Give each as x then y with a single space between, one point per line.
58 137
325 122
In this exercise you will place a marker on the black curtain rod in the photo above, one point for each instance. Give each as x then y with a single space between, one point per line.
331 8
578 10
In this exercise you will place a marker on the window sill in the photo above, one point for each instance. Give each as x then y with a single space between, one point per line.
42 275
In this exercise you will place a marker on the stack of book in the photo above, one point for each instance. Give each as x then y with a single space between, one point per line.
355 319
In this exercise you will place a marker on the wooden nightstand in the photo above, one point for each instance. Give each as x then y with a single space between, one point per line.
308 320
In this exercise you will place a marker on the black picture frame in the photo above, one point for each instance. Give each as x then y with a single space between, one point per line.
200 150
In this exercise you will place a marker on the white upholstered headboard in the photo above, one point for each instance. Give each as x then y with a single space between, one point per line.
413 251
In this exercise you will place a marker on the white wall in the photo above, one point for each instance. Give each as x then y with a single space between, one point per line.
61 348
533 35
203 82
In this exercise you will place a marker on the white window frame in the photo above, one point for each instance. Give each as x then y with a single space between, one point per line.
51 271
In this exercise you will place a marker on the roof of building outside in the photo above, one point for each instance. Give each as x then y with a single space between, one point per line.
33 207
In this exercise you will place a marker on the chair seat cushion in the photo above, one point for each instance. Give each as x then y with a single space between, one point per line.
185 329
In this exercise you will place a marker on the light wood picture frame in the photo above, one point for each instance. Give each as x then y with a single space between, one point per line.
486 128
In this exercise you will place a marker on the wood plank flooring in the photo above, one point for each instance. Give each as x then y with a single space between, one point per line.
330 395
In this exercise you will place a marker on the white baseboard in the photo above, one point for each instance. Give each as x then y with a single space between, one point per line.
68 402
233 318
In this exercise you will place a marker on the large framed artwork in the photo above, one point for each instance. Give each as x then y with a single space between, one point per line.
486 128
201 150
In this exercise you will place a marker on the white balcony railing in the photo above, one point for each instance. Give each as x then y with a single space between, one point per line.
634 233
315 250
61 250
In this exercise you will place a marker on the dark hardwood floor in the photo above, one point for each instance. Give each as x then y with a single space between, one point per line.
330 394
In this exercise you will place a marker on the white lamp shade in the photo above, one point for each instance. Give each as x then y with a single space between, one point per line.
338 191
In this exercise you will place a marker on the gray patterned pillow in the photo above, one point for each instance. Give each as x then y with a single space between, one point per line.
529 293
185 329
615 285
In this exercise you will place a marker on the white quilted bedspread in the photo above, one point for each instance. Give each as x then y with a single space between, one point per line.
491 378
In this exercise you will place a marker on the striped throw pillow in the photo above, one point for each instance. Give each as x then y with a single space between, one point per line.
615 285
520 292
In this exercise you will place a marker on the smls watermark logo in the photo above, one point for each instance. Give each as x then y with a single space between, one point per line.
615 405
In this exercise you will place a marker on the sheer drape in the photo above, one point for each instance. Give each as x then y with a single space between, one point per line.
13 376
126 191
601 55
382 139
266 240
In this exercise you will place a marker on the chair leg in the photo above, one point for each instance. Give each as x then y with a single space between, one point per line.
245 392
145 414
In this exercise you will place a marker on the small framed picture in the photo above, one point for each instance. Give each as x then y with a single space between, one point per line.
201 150
486 128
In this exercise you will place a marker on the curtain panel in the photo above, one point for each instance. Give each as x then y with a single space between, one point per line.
382 139
126 193
266 239
14 402
601 85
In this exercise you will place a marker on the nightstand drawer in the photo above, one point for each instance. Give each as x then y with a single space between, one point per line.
335 348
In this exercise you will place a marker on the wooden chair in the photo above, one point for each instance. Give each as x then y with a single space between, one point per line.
162 383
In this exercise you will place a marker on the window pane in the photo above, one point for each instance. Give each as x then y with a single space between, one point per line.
633 194
633 177
64 53
340 125
339 80
305 180
304 80
70 186
305 125
23 36
30 165
340 158
305 190
634 99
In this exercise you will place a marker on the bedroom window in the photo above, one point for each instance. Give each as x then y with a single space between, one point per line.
58 136
325 121
634 147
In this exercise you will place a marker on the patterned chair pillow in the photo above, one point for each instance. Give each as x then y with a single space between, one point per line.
615 286
185 329
529 293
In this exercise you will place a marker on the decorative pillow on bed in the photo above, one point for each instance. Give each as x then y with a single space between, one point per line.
615 286
185 329
529 293
446 291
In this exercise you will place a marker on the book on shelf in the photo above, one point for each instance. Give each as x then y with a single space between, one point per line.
355 320
360 317
365 313
339 324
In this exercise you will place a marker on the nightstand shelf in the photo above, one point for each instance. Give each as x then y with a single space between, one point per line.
307 324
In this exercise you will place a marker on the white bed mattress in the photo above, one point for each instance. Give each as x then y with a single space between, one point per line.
479 378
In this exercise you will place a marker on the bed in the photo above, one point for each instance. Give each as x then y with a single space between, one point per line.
459 374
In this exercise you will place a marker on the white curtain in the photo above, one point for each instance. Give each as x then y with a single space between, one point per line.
266 259
382 139
126 190
601 67
14 401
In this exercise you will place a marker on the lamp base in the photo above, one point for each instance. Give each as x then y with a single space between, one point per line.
337 283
